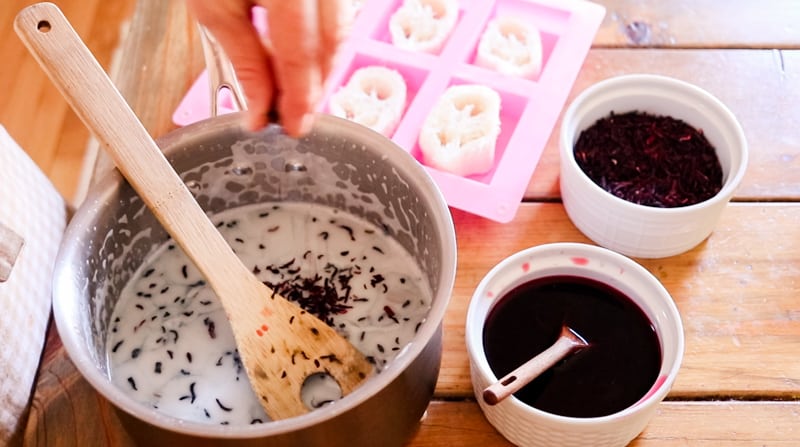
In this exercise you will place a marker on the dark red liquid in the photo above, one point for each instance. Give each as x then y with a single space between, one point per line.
618 367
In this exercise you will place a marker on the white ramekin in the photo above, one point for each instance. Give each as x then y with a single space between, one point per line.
527 426
638 230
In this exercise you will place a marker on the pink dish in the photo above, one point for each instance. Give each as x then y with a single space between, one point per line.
529 108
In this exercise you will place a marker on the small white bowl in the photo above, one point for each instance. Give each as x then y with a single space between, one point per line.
527 426
639 230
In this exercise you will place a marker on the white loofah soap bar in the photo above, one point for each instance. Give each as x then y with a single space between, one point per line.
460 134
511 46
423 25
374 96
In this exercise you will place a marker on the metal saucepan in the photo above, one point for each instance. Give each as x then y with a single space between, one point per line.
340 164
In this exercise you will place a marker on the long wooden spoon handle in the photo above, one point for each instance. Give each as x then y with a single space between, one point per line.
88 89
512 382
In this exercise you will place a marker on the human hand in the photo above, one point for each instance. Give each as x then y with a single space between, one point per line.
289 66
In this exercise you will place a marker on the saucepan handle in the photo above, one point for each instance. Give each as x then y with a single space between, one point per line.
221 75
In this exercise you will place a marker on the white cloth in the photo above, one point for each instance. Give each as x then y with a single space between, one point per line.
32 208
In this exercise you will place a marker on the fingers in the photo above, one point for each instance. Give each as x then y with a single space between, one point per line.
295 39
334 18
304 36
230 23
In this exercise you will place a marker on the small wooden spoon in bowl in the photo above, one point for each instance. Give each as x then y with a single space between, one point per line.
568 342
280 344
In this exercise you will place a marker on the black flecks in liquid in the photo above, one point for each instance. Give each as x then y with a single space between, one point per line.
620 365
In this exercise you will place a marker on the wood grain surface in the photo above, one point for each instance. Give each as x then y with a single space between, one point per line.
739 384
700 24
146 72
10 245
32 110
713 424
737 293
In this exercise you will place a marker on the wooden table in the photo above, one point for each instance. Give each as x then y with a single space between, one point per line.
738 292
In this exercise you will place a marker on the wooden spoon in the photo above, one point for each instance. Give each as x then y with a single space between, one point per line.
568 342
280 344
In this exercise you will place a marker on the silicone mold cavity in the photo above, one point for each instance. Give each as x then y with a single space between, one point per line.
529 107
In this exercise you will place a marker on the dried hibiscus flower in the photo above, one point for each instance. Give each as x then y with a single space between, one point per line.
650 160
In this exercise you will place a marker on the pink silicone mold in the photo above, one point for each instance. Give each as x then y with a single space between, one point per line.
529 107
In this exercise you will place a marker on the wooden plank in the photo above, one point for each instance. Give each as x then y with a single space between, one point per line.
162 57
737 294
699 424
774 160
700 23
31 108
10 245
745 80
66 170
458 423
66 411
733 424
761 75
737 291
